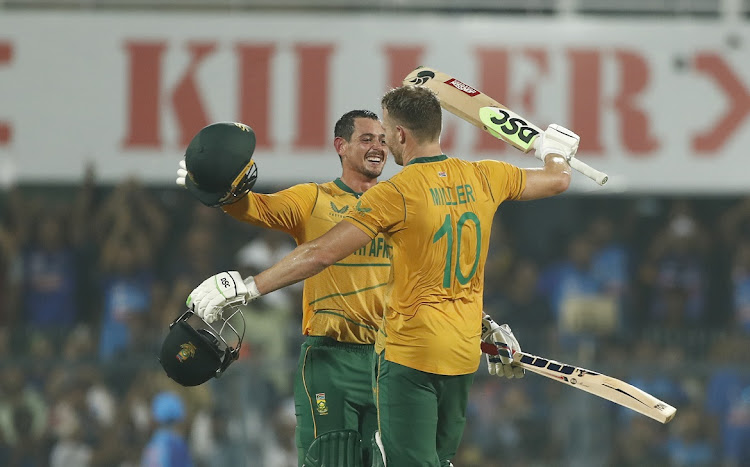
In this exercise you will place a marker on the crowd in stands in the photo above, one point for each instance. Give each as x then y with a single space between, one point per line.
654 291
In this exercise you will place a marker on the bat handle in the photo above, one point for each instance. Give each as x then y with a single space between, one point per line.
595 175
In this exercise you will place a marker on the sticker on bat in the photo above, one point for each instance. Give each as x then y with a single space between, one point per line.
506 125
463 87
422 77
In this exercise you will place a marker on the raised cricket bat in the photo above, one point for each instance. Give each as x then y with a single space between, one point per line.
604 386
486 113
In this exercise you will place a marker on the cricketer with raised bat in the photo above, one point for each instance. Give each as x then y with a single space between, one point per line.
437 215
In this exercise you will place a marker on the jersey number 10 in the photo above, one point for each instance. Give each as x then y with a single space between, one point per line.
447 230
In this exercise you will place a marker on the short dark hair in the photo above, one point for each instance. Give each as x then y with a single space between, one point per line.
416 108
345 125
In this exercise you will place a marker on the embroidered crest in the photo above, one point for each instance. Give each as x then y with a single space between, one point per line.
320 402
187 350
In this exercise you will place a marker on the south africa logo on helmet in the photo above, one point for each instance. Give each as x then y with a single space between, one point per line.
187 350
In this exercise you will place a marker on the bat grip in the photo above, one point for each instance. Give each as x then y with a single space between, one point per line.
595 175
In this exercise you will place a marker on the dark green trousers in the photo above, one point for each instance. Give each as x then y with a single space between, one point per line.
422 415
333 390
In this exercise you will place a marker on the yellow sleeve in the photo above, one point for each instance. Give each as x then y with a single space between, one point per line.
382 208
284 210
506 181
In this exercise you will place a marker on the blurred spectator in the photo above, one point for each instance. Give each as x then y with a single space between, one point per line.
167 447
610 263
579 303
737 444
70 449
200 251
280 449
262 252
265 338
23 411
50 277
728 398
127 277
18 215
73 427
676 270
641 443
520 305
740 286
735 222
28 448
501 258
10 264
133 201
689 445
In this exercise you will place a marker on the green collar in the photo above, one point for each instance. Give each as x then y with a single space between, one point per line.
339 183
424 160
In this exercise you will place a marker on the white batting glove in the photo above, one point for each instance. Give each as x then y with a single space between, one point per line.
507 344
181 173
556 139
226 288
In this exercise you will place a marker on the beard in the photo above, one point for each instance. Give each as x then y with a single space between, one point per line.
371 173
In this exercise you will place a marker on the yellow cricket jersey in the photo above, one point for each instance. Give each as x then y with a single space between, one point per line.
437 213
345 301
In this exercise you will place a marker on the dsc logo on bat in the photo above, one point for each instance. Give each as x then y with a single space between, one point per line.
506 125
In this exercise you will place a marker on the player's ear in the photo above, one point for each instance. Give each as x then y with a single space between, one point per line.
340 144
401 134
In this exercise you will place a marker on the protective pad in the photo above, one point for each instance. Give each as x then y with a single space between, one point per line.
338 448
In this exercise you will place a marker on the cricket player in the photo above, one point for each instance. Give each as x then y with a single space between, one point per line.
343 306
437 213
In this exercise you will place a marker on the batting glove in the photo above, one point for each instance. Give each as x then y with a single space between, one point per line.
181 174
507 344
226 288
556 140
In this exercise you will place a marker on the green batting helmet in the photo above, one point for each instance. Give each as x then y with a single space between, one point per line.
219 162
195 351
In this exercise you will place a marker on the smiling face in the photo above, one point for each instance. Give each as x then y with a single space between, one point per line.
365 152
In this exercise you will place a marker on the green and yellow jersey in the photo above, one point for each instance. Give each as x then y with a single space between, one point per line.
437 213
345 301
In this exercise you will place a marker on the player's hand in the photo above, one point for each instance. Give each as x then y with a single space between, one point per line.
507 344
556 139
181 173
226 288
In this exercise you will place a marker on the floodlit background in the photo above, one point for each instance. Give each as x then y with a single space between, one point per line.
646 279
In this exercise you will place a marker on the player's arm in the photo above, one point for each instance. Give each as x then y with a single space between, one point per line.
556 147
283 210
550 180
312 257
308 259
379 210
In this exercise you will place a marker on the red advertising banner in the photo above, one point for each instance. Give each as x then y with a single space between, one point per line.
661 106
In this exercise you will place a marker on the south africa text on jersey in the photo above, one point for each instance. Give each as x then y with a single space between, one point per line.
448 196
378 247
